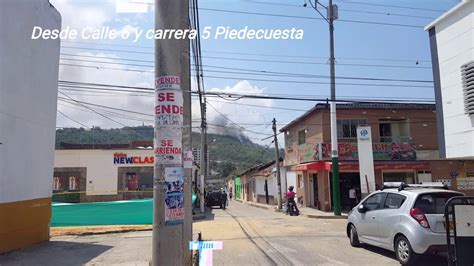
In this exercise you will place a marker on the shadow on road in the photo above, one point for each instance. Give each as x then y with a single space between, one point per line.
423 261
54 253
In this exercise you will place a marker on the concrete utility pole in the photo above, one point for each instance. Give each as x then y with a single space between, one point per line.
172 214
203 163
277 163
334 146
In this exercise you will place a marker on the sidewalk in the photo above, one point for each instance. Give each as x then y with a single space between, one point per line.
304 211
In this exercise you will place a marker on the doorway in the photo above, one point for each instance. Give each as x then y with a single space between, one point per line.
313 191
346 182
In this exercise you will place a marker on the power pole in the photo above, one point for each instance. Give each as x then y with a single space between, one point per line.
334 146
171 207
332 14
203 162
277 163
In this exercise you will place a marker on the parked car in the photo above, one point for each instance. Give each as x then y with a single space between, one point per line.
215 198
408 220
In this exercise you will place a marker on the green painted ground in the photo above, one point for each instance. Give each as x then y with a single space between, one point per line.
130 212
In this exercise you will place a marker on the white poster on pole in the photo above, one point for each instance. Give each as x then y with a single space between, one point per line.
168 121
366 160
188 159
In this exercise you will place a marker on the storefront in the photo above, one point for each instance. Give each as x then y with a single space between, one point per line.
85 175
315 180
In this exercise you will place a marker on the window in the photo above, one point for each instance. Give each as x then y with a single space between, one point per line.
347 128
433 203
300 181
73 183
467 73
56 183
302 137
394 201
385 131
374 202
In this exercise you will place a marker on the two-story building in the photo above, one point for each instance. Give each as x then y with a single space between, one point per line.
404 146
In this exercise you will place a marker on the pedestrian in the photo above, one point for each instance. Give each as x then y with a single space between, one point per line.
230 195
352 197
224 199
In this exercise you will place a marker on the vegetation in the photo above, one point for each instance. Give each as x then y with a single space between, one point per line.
228 154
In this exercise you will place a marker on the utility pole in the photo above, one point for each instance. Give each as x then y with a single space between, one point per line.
332 14
203 162
334 146
171 207
277 163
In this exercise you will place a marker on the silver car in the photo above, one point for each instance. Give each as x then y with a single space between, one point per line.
408 220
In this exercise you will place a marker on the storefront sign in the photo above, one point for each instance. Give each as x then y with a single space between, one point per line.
465 183
174 195
381 151
306 153
123 158
366 162
168 120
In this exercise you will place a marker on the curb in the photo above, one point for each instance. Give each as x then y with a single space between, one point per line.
198 217
312 216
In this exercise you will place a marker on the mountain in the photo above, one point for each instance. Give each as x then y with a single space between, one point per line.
229 154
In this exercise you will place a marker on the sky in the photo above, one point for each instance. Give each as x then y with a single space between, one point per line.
365 46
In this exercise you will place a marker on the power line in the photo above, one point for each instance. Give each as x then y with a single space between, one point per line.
260 71
344 9
312 82
311 63
70 118
312 18
226 52
224 94
90 108
232 122
392 6
232 100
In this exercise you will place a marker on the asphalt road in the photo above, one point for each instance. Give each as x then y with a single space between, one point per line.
253 236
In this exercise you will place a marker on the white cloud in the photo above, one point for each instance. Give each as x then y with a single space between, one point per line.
77 15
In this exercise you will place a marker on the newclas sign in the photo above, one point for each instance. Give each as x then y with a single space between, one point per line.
123 158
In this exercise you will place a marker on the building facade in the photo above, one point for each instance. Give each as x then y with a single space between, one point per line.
28 96
259 184
404 149
91 173
452 56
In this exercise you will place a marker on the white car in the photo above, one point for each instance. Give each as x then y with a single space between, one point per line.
408 220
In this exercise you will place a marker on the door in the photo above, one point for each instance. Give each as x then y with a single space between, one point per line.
368 225
314 187
389 217
311 191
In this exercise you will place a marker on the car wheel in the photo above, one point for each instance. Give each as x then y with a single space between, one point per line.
403 251
353 236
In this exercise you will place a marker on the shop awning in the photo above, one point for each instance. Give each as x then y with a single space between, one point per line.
308 166
390 165
354 166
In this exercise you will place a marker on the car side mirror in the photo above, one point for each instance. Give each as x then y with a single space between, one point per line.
362 208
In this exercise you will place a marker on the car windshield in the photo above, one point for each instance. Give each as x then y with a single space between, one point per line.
433 203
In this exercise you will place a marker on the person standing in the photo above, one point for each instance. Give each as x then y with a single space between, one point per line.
352 197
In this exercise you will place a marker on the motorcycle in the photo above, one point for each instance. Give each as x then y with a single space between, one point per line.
292 209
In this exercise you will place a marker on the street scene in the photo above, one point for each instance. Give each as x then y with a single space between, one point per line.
237 132
250 236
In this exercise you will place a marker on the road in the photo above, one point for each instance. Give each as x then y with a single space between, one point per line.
254 236
250 235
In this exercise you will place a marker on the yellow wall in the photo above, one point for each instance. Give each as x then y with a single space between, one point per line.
23 223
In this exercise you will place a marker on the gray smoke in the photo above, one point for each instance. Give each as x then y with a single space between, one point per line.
222 126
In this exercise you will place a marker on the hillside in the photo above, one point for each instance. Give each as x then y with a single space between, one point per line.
228 154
